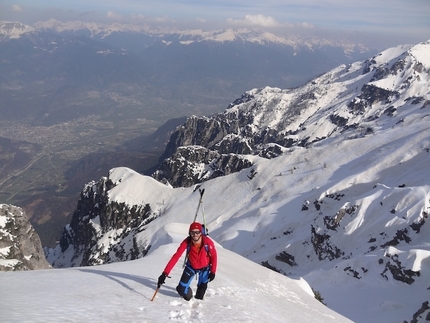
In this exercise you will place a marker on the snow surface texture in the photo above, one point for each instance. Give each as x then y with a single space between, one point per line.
358 192
241 292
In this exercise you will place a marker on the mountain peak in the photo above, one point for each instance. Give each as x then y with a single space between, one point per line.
13 29
422 53
336 103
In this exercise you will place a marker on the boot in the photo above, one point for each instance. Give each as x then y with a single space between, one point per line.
187 296
201 290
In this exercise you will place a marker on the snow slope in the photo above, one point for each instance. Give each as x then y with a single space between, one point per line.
262 217
241 292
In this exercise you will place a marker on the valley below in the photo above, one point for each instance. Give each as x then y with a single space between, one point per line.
43 168
54 141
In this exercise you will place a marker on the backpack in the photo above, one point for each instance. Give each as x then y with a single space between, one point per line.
189 246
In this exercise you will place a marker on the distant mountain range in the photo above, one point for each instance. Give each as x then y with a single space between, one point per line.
75 68
170 35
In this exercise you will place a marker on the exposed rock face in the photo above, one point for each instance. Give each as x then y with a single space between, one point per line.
398 271
233 131
195 164
20 246
268 121
422 315
101 231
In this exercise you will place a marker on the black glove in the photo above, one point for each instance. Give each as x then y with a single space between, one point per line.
161 279
211 276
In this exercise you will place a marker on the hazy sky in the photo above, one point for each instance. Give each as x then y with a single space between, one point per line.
399 21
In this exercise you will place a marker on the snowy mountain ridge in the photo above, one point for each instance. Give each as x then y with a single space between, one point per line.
344 204
13 29
186 37
349 101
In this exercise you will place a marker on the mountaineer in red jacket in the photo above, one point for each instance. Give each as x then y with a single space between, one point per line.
201 259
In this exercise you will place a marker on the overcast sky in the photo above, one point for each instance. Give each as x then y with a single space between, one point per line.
398 21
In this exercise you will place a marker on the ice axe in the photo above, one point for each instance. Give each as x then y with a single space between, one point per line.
155 293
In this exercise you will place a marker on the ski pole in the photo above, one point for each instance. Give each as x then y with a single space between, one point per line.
155 293
195 217
200 202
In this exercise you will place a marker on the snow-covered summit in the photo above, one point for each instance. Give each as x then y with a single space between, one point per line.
403 70
422 54
13 29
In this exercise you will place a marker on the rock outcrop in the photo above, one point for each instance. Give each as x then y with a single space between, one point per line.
101 231
20 246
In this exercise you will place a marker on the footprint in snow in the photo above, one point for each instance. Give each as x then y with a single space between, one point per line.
188 310
175 303
176 315
195 303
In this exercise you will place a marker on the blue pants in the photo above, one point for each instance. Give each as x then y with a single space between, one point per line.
184 289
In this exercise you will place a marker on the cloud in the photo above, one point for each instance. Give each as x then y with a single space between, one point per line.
255 20
15 7
163 19
113 15
307 25
139 17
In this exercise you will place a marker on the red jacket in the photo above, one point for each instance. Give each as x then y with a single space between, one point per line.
198 257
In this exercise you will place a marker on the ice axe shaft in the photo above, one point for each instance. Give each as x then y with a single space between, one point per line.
155 293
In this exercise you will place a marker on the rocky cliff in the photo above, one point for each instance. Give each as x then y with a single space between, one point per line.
101 231
20 247
264 122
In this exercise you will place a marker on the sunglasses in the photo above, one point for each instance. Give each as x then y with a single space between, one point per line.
195 233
